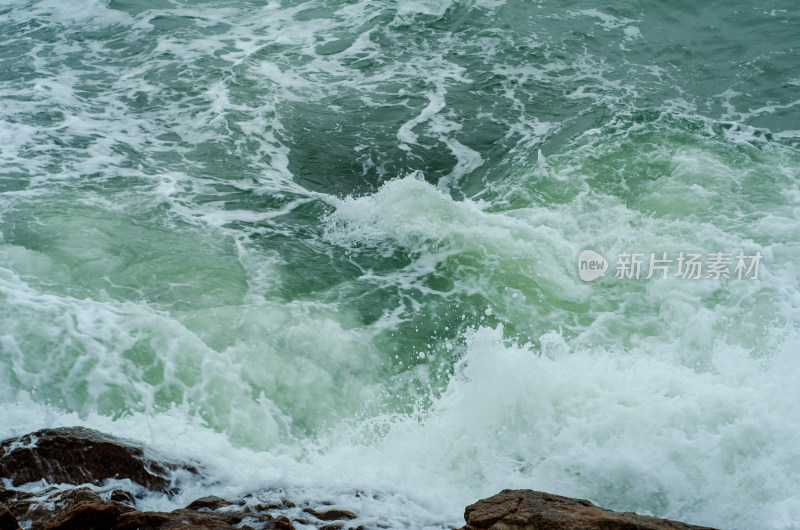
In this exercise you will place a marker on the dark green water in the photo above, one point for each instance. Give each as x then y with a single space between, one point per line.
337 243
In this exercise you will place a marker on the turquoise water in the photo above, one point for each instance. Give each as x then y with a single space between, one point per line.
332 246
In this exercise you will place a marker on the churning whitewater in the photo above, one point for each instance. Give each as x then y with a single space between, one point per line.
328 247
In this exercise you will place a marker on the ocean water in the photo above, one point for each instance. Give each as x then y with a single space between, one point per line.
330 248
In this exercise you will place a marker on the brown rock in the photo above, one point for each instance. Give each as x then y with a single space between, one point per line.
77 455
87 514
74 508
40 512
7 520
535 510
212 502
330 515
283 523
186 519
266 507
142 520
67 498
82 509
7 496
16 501
125 497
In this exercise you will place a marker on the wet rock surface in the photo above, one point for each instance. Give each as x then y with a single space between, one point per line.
84 508
7 519
73 466
76 455
536 510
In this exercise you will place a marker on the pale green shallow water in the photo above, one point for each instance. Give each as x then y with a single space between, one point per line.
333 246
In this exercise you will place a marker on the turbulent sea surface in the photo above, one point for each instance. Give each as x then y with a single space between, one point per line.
329 247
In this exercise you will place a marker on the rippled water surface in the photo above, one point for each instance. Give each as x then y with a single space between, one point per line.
330 246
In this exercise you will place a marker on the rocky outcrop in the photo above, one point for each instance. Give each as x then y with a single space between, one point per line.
536 510
76 455
76 462
330 515
94 513
83 508
61 509
7 519
80 508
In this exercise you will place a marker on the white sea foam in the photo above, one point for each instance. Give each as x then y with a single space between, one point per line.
627 429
